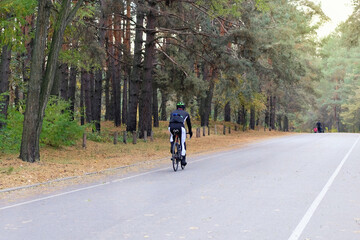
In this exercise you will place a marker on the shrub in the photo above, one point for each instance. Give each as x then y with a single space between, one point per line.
10 135
58 127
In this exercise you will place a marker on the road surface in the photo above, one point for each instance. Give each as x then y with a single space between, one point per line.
297 187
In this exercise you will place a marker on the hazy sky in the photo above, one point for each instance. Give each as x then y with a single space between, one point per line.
337 10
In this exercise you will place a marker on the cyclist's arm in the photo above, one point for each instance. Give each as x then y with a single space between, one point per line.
188 122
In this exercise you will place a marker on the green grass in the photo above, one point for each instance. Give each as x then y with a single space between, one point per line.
7 170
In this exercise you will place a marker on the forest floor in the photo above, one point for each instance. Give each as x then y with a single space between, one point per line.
67 162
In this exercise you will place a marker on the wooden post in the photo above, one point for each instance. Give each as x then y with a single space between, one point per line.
229 129
152 136
197 132
134 137
224 131
215 132
208 131
145 136
125 137
204 131
84 140
115 138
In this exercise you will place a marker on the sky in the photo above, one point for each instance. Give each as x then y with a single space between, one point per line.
337 10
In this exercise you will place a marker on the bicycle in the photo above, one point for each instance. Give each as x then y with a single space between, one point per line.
176 151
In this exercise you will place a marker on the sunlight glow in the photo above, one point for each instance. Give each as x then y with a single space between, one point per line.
337 10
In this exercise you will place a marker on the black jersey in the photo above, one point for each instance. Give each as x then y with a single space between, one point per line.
180 116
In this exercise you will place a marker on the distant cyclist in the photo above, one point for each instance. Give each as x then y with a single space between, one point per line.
177 122
319 127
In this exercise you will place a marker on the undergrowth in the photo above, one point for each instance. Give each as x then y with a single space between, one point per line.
58 128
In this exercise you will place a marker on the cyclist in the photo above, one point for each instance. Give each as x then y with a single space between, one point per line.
319 127
177 122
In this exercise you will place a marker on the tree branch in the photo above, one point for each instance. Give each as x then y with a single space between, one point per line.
172 60
73 11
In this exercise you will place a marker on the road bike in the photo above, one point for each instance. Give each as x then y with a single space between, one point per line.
176 151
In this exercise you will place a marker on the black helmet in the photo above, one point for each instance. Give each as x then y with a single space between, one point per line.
180 105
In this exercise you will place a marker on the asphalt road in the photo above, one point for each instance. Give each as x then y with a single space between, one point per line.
298 187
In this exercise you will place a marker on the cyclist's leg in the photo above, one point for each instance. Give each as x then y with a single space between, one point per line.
171 139
183 147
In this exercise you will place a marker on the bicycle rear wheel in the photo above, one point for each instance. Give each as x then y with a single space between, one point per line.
174 158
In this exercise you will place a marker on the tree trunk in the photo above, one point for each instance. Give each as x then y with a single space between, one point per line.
272 112
29 25
117 71
55 90
209 75
108 106
97 100
127 66
164 99
227 112
88 90
99 74
18 95
40 84
134 84
72 90
125 97
155 111
64 81
82 94
4 81
145 104
216 111
286 124
267 113
279 122
238 120
242 120
252 117
29 150
109 102
116 88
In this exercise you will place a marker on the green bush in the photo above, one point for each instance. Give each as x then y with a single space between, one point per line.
58 127
10 135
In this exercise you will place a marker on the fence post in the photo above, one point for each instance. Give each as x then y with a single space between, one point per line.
224 131
145 136
152 136
208 131
215 130
115 138
204 131
229 129
125 137
197 132
134 137
84 140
